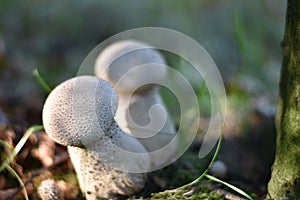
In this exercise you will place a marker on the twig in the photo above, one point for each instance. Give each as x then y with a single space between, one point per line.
227 195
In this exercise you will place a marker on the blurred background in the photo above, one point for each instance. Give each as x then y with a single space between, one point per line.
242 37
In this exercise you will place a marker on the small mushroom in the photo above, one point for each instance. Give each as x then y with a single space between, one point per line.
128 65
218 169
48 190
79 113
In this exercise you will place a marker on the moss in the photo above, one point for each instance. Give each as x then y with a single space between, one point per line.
181 172
285 181
184 170
69 177
198 192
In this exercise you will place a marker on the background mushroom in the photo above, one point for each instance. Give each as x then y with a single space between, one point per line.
79 113
48 190
128 65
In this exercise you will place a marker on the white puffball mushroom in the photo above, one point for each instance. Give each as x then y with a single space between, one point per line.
48 190
218 169
127 65
120 57
69 113
79 113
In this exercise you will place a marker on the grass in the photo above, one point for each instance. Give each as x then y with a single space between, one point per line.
15 174
14 153
19 146
178 192
41 81
236 189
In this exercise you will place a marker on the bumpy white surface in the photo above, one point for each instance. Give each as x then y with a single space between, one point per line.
79 113
96 169
79 110
122 58
48 190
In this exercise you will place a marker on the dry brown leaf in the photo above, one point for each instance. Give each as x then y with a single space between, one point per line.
46 149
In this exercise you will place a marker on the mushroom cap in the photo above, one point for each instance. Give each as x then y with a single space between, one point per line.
122 57
80 110
48 190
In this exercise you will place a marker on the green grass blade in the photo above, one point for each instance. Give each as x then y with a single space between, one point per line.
206 170
19 146
15 174
241 192
5 144
41 81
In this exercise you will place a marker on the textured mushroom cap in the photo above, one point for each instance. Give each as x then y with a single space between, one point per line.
121 58
48 190
80 110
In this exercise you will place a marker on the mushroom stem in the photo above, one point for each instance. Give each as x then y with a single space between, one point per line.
129 65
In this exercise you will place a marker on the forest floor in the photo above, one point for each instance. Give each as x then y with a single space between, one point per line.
246 151
242 38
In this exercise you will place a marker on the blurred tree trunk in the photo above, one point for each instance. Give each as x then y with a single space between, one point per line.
285 180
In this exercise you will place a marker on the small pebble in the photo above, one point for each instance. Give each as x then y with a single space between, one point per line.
218 169
48 190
